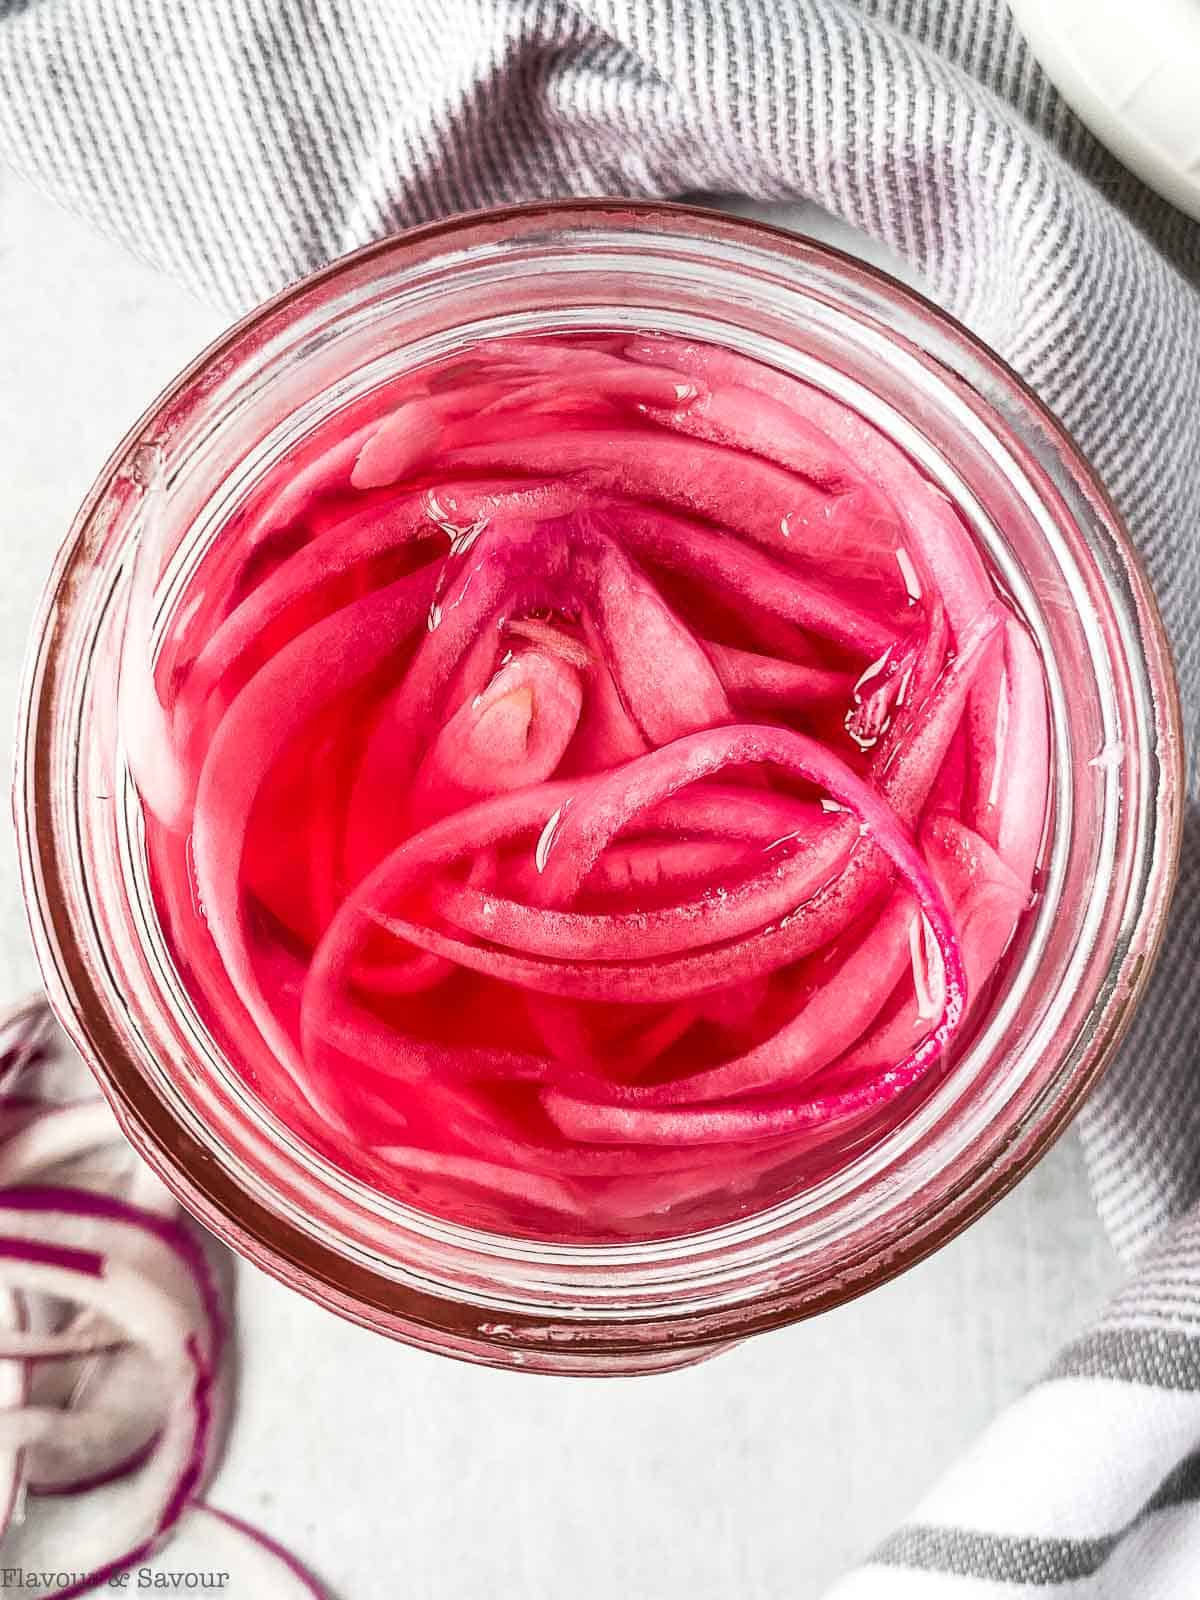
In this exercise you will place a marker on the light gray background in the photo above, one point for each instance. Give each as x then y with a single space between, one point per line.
399 1475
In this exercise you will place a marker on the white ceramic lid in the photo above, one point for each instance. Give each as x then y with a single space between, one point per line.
1131 70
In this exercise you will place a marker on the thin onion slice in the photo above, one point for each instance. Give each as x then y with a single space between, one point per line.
14 1391
140 1510
259 1568
52 1136
560 877
788 880
109 1411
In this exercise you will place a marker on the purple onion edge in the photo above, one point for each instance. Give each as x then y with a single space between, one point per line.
175 1235
291 1562
190 1477
98 1480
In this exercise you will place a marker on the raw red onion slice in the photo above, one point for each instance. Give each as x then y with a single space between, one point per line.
53 1136
25 1034
108 1409
139 1510
259 1568
160 1250
14 1392
89 1339
106 1427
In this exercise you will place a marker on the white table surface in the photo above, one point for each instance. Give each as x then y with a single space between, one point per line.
405 1476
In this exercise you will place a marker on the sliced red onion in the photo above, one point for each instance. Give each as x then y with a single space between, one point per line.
307 574
704 480
751 578
106 1426
108 1412
789 879
25 1034
618 912
209 1540
986 900
608 734
744 419
836 1005
74 1341
512 734
636 625
926 516
488 1177
161 1250
907 768
53 1136
331 656
567 1037
139 1510
14 1392
767 681
1013 826
401 444
652 868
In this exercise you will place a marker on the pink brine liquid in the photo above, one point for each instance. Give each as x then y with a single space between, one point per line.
597 783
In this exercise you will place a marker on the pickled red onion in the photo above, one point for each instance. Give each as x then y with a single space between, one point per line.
573 759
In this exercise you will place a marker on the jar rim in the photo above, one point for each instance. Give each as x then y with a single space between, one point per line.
292 1253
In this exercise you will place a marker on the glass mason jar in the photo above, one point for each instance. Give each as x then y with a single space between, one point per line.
1054 542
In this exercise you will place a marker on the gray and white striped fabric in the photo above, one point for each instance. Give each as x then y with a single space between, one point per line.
1088 1487
238 143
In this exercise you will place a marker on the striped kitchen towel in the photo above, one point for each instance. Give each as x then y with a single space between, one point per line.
238 143
1088 1487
